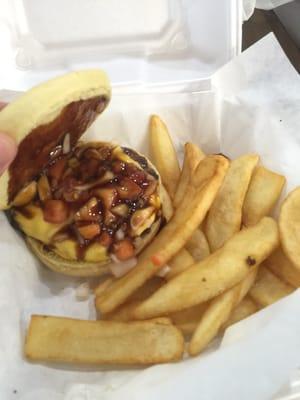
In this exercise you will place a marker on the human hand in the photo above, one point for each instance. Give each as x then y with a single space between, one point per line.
8 148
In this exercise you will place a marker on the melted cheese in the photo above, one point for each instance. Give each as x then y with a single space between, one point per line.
35 226
93 253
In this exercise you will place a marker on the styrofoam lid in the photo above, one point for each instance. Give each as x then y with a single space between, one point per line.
135 41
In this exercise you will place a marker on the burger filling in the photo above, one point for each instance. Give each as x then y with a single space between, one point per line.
94 202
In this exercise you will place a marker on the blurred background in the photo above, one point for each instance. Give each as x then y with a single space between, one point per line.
284 21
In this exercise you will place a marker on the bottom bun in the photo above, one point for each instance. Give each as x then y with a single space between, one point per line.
80 268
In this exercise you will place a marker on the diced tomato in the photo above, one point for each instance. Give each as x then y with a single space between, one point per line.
136 175
123 249
89 231
156 260
105 239
55 211
128 189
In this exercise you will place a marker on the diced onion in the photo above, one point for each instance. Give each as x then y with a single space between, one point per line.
163 271
118 268
120 234
67 144
104 179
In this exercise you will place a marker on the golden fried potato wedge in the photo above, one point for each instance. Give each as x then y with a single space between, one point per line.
268 288
243 310
179 263
289 227
263 192
163 154
103 285
218 312
188 319
167 206
124 312
212 320
281 266
57 339
215 274
225 215
198 245
192 156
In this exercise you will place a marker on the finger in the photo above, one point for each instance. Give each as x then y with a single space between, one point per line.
8 150
2 105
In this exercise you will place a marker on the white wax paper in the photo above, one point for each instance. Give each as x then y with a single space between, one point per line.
253 107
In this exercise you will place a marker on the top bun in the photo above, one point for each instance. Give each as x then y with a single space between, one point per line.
39 120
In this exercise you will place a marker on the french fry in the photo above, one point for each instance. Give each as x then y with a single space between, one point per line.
264 190
215 274
149 287
281 266
225 215
179 263
192 156
198 245
289 227
188 328
218 312
243 310
57 339
188 319
185 320
167 206
202 190
124 312
103 285
164 154
268 288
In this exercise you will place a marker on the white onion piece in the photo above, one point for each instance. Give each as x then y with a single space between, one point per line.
67 144
82 292
163 272
119 268
120 234
104 179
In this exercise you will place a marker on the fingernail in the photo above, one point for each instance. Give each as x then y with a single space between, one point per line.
8 150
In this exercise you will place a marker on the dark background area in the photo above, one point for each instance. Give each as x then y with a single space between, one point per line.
261 23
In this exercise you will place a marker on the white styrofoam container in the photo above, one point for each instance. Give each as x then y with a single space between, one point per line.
172 43
144 45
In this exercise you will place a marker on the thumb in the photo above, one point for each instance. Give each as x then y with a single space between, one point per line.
8 151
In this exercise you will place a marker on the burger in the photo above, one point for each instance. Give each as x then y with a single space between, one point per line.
84 208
